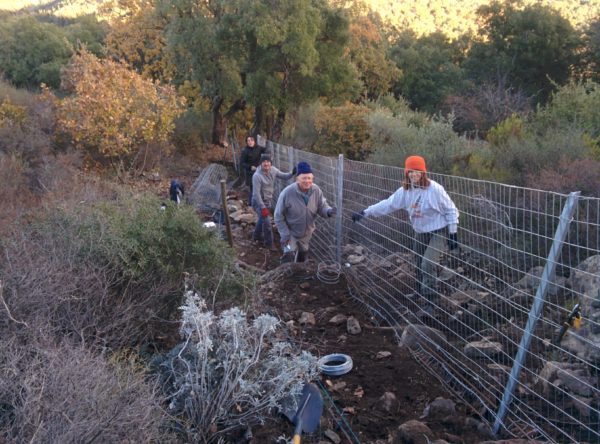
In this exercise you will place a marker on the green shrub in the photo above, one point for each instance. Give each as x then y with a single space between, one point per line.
387 101
505 130
164 245
343 130
299 128
573 105
111 271
516 156
396 137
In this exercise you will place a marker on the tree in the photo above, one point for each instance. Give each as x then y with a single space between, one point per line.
430 68
271 55
87 30
201 57
137 36
112 113
593 48
368 52
32 53
303 60
532 48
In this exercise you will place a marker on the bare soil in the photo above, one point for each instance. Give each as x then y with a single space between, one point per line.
353 409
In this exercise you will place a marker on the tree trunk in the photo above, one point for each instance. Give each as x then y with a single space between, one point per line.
277 129
221 120
218 122
259 118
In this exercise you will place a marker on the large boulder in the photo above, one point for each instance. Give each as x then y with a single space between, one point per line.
415 335
412 432
533 278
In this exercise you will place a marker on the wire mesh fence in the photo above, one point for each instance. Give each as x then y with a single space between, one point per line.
502 333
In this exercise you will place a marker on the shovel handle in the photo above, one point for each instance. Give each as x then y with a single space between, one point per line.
298 429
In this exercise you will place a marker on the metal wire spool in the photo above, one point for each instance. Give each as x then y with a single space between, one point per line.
336 364
329 272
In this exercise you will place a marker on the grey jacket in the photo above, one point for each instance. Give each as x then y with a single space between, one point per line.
294 217
263 185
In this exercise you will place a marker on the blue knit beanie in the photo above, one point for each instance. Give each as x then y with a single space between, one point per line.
303 168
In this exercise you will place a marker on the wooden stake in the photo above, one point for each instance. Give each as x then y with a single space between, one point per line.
226 212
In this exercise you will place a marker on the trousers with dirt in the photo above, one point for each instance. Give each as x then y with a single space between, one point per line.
428 248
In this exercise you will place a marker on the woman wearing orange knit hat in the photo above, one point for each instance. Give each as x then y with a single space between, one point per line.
433 216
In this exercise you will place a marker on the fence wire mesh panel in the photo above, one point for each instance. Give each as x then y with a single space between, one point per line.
485 293
205 193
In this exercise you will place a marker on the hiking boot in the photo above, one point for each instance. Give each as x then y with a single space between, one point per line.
302 256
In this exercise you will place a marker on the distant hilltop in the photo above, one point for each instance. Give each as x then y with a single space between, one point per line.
458 17
422 16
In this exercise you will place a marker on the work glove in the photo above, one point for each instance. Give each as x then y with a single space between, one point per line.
264 212
252 168
331 212
294 171
452 241
356 217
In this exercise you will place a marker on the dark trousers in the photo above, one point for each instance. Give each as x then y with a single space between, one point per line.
263 230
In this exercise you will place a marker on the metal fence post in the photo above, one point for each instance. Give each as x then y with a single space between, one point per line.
536 309
290 151
339 200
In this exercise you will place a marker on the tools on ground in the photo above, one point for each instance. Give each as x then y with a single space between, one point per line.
307 416
574 320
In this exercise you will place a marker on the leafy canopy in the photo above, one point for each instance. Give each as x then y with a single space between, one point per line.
532 48
112 112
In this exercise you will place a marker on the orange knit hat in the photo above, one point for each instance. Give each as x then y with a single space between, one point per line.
415 163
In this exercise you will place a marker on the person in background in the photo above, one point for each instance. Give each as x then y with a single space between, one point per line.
298 206
249 161
263 185
433 216
176 191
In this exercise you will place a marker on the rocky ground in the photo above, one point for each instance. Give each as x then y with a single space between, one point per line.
387 396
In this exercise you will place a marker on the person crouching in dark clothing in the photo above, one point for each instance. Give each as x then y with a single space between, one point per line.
176 191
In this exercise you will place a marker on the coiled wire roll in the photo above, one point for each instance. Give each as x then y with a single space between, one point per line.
329 272
336 364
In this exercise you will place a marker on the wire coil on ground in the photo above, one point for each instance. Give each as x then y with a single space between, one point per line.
329 272
336 364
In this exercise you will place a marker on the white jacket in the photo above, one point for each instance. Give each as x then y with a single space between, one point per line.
429 209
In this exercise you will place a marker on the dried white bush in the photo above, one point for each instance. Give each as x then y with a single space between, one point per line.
229 373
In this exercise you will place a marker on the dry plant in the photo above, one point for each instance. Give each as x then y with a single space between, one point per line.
228 373
63 393
51 279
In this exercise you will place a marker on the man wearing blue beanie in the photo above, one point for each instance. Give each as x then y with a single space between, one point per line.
298 206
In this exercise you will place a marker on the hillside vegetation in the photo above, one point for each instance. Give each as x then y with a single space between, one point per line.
96 274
